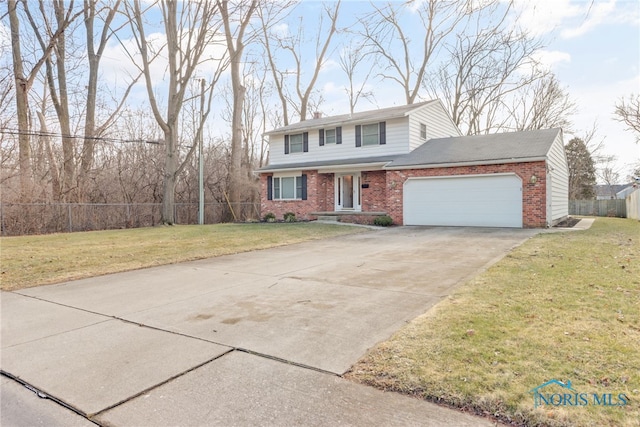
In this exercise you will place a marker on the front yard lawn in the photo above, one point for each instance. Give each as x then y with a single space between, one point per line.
27 261
562 306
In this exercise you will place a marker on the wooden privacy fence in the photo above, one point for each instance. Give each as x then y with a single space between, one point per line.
41 218
609 207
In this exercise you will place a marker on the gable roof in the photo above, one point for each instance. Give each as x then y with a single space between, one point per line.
363 116
507 147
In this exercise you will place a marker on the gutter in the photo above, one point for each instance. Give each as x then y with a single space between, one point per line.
474 163
351 166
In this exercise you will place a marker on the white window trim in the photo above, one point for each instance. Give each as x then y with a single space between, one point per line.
301 135
377 125
285 175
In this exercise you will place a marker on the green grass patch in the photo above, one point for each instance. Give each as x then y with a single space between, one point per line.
28 261
562 306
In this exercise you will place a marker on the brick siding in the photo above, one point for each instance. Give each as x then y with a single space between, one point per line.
385 191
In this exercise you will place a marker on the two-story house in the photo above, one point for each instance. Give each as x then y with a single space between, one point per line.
411 163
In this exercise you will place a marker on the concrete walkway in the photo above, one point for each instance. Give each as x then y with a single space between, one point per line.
258 338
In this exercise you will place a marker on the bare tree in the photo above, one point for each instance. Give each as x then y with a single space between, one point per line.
24 81
404 64
189 27
487 72
300 97
628 112
352 60
92 130
543 104
235 45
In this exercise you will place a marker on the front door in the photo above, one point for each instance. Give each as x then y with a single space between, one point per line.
348 192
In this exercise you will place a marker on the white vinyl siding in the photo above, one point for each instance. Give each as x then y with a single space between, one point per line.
437 121
557 182
474 200
397 142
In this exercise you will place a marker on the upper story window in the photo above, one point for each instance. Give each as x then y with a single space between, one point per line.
296 143
330 136
371 134
423 131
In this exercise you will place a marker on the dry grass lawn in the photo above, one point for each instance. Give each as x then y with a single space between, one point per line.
28 261
562 306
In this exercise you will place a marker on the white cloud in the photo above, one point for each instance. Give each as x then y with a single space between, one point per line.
280 30
551 58
574 17
596 15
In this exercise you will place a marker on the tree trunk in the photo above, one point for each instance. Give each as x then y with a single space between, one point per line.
22 105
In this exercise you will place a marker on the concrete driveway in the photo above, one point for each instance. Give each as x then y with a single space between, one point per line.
258 338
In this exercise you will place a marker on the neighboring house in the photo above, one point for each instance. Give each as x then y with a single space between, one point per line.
610 191
411 163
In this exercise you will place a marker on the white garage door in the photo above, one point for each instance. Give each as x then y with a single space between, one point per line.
478 200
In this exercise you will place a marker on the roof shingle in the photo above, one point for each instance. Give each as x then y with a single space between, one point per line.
480 148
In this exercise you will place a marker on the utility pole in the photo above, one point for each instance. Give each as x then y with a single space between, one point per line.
200 158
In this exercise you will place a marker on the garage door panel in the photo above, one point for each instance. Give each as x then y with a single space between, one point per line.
481 200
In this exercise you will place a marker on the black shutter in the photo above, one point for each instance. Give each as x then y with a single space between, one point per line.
305 142
269 188
358 136
304 186
321 137
286 144
383 132
339 135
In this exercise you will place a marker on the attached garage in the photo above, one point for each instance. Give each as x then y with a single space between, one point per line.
472 200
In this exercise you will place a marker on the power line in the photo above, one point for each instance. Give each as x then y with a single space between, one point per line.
93 138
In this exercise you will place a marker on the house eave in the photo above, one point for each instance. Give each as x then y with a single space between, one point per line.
329 168
473 163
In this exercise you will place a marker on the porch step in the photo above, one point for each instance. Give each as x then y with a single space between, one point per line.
332 218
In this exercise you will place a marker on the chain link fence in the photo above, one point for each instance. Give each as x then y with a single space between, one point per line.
43 218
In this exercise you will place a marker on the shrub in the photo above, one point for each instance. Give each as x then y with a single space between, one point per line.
289 217
383 221
269 217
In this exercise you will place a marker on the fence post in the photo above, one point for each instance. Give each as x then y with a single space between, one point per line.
70 220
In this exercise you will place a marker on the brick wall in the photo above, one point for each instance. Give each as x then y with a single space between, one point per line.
374 198
320 197
384 192
534 195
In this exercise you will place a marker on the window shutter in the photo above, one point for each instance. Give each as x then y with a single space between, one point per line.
383 132
321 137
286 144
305 142
358 136
339 135
269 188
304 186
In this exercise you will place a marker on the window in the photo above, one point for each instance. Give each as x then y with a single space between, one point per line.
287 187
423 131
371 134
330 136
296 143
